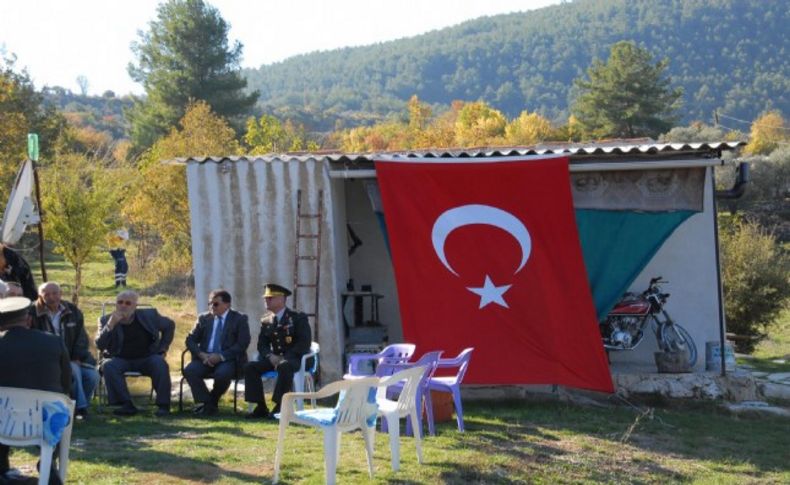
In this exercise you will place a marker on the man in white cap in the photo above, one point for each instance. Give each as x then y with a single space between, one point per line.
29 360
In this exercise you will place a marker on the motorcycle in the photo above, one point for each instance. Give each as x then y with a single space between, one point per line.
626 323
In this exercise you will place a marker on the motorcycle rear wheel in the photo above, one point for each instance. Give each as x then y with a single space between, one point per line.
675 338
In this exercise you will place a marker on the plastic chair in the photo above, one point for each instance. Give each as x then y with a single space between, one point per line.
41 418
101 387
405 406
303 376
391 354
236 379
452 384
422 399
355 409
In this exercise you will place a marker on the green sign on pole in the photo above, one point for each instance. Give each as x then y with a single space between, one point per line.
32 146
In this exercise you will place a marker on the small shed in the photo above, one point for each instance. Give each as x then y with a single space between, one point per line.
245 213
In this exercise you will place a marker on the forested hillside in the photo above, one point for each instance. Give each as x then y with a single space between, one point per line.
727 55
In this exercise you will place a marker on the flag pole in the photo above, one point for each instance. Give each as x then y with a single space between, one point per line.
32 151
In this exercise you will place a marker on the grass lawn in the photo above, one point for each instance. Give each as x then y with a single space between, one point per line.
505 442
773 353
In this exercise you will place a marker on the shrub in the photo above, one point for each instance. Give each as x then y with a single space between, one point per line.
756 274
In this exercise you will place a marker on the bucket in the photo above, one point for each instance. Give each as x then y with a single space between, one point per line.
442 406
713 357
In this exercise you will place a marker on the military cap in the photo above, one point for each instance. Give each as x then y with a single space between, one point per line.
12 308
275 290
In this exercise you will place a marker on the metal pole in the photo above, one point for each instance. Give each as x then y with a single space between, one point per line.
722 339
40 223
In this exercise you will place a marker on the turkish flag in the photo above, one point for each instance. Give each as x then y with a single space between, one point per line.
487 255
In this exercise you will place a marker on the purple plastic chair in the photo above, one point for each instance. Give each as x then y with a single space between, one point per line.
452 384
429 360
391 354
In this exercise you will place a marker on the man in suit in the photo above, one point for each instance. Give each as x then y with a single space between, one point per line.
133 339
54 315
218 343
30 360
285 337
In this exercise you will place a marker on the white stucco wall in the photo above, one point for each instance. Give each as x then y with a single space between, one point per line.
687 260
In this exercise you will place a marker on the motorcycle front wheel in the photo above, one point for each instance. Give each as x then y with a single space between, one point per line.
675 338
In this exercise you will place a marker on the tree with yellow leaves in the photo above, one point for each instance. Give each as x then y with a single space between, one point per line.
479 124
769 130
159 206
528 129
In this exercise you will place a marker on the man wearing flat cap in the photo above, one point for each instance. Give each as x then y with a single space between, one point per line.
285 337
29 359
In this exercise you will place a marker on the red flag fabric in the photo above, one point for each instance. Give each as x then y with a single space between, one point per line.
487 255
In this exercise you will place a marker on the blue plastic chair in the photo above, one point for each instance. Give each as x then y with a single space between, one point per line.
452 384
423 395
391 354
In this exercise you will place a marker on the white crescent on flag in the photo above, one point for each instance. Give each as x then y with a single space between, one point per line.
465 215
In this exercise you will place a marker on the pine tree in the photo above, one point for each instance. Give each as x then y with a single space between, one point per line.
628 96
185 56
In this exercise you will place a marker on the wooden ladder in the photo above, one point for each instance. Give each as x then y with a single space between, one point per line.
304 255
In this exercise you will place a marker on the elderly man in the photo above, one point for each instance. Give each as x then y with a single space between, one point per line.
133 339
54 315
285 337
218 344
30 360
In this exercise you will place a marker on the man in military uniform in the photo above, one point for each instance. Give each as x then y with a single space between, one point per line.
285 337
30 360
54 315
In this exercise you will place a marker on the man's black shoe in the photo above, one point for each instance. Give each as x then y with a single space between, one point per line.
127 409
162 411
260 412
209 410
81 414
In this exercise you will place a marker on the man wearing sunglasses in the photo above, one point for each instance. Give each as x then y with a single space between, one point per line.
218 343
133 339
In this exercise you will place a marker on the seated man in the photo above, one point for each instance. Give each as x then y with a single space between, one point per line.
30 360
285 337
54 315
218 344
135 340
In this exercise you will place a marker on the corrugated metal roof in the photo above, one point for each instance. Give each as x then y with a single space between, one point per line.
612 148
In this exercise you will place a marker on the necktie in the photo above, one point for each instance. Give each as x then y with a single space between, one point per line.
217 337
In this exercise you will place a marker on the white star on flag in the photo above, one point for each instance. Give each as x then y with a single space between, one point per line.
490 293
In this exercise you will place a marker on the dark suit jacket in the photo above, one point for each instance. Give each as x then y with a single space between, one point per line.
31 359
72 329
161 329
235 336
291 337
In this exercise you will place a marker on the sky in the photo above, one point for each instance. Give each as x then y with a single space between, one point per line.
58 40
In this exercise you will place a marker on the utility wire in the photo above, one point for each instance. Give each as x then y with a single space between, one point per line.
751 122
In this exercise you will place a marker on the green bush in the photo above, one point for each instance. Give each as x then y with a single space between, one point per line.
756 274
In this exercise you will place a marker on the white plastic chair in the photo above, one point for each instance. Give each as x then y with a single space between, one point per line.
303 376
355 409
405 406
23 423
